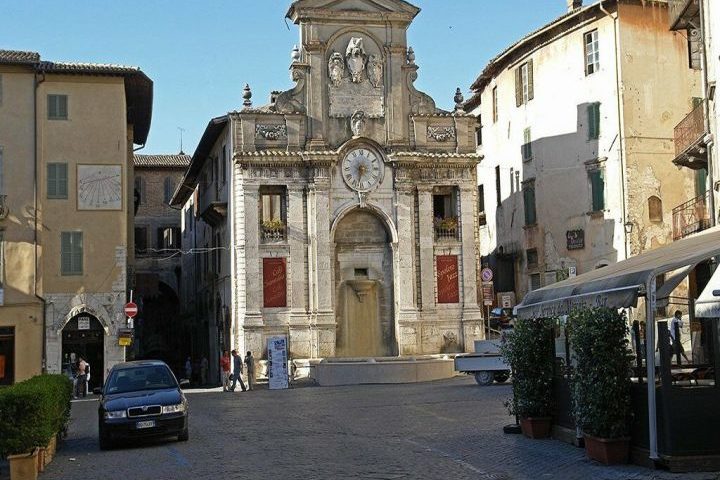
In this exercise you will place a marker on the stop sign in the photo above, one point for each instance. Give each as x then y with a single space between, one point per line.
131 309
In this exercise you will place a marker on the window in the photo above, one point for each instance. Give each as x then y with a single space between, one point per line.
529 201
524 88
593 114
592 53
494 105
597 190
481 205
478 136
140 189
534 281
57 180
526 148
497 185
71 253
655 209
7 355
168 238
532 257
141 240
57 107
273 214
445 212
169 188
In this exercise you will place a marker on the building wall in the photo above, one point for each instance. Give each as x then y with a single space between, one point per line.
20 307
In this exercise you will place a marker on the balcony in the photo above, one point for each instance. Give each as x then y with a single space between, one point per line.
684 14
446 229
273 231
690 148
691 217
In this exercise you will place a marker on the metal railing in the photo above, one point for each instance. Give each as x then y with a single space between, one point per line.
271 234
691 217
690 130
678 9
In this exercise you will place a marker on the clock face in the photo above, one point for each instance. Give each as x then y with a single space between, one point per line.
361 169
99 187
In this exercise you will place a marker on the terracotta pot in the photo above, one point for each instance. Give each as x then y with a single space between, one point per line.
610 451
50 450
536 427
24 466
41 456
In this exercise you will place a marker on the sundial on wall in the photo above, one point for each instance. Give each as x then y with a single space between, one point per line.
99 187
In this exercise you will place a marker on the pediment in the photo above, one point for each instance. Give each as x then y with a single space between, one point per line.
382 7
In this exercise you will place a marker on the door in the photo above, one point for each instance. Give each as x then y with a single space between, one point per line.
84 336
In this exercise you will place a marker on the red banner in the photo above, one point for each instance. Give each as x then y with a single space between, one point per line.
447 279
274 283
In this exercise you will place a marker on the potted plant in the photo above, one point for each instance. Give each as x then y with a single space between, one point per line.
274 229
528 350
601 382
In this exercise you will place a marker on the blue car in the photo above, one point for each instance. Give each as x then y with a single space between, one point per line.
141 399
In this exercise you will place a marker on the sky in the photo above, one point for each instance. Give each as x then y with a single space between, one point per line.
200 54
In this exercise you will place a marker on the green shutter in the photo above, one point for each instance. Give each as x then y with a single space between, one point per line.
77 253
527 144
57 180
518 87
57 107
531 86
529 198
700 181
597 184
593 111
71 253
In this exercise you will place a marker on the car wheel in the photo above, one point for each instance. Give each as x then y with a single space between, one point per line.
501 377
484 378
184 436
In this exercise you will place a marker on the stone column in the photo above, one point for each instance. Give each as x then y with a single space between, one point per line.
472 314
251 267
405 283
299 327
427 247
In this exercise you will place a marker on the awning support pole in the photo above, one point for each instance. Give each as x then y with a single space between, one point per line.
650 361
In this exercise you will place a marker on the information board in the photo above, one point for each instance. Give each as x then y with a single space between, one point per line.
277 363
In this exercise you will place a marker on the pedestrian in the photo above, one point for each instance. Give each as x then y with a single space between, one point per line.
676 325
203 370
225 369
250 366
237 371
81 377
188 369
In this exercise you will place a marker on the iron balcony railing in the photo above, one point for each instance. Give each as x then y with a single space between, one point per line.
690 130
681 12
273 233
691 217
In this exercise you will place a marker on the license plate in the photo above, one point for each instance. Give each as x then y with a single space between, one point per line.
146 424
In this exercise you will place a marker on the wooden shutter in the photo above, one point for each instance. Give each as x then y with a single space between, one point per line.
531 87
518 87
593 121
529 200
62 180
598 190
77 252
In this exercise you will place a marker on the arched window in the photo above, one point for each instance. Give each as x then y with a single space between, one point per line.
655 209
169 189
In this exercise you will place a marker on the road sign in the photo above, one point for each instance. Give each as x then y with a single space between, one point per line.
131 309
486 274
487 293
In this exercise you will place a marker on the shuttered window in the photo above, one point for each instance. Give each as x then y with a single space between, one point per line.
527 145
593 113
57 107
71 253
57 180
524 83
592 53
597 187
169 189
529 200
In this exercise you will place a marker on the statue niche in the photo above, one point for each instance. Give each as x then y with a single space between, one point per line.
356 81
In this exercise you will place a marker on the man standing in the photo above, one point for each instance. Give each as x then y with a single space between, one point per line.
250 364
225 369
237 371
81 378
676 325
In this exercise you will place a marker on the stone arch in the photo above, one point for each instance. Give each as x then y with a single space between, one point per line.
385 219
353 29
84 308
655 209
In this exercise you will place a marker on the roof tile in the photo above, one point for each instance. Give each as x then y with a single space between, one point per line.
145 161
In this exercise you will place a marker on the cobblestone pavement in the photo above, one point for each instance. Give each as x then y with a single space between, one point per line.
448 429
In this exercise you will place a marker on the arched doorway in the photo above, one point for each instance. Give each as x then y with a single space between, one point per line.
84 336
364 286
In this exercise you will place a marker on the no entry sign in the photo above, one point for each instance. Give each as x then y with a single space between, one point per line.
131 309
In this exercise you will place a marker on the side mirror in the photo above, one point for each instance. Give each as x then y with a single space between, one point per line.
97 390
184 383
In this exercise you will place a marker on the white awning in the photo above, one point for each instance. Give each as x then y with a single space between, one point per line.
708 303
619 285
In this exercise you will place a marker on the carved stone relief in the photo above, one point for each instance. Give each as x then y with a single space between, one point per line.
291 101
271 132
441 134
356 82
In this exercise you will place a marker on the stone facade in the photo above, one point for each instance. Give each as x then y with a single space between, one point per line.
347 193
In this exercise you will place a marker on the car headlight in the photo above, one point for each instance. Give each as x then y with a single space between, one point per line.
116 414
180 407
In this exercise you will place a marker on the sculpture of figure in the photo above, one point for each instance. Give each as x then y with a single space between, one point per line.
336 68
375 71
357 122
355 57
290 101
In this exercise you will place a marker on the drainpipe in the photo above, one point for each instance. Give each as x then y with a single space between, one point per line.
706 113
38 79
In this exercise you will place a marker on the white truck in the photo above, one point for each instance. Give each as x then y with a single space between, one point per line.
486 364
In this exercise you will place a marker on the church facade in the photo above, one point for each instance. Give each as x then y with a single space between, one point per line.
352 209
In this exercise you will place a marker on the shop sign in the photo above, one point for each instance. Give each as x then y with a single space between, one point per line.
83 323
575 239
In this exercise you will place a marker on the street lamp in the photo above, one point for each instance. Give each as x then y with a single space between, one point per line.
629 227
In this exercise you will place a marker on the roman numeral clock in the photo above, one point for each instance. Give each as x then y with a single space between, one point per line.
362 171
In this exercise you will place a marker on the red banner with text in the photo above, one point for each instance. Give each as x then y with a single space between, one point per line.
274 283
447 279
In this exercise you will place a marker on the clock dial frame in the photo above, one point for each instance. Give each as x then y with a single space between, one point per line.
362 169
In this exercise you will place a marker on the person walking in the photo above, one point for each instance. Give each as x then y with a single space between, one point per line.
676 325
237 371
188 369
250 366
225 369
203 370
81 378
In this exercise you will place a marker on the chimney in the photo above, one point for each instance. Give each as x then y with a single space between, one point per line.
573 5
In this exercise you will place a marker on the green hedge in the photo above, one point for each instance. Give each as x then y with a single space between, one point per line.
31 412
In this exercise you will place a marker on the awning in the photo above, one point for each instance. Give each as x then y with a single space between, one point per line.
619 285
708 303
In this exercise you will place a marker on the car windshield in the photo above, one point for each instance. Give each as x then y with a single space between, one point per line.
151 377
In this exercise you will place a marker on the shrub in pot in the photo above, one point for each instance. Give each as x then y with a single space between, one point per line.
529 351
601 382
